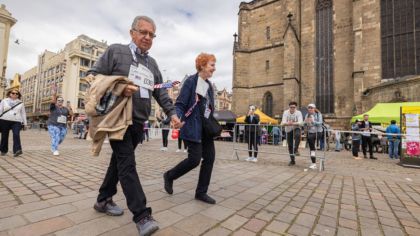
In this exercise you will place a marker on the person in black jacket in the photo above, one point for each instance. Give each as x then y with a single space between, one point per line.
251 132
194 104
165 125
366 127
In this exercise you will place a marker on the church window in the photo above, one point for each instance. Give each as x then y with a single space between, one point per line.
267 65
268 104
267 32
400 38
324 56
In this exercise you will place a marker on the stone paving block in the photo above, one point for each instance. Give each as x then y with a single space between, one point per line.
411 230
234 203
299 230
189 208
234 222
218 212
243 232
160 205
327 221
196 224
268 233
391 231
347 232
305 220
50 212
254 225
83 216
170 231
89 228
277 226
323 230
286 217
128 229
247 213
43 227
11 222
219 231
351 224
265 215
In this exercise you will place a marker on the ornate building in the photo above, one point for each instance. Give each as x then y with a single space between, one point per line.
344 56
65 71
6 22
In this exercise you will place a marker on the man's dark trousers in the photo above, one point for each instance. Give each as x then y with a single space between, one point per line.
196 151
367 141
123 168
253 143
293 141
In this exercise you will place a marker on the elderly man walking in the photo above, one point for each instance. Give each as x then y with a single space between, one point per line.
132 61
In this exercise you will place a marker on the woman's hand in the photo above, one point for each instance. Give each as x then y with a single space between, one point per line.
130 89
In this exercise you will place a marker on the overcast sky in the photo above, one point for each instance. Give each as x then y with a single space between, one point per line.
184 29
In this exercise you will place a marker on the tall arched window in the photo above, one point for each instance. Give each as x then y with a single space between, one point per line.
400 34
324 56
268 104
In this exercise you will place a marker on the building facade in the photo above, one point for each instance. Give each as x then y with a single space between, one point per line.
6 22
223 100
63 71
344 56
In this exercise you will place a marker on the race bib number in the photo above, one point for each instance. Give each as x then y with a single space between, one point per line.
142 77
62 119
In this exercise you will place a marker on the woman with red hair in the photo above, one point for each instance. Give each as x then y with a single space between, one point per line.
194 104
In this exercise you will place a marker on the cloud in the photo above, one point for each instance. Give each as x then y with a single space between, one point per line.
184 29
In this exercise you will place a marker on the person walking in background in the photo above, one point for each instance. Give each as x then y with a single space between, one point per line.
57 121
292 120
313 121
146 130
180 141
356 139
337 137
195 106
251 131
393 140
165 125
366 127
276 132
12 117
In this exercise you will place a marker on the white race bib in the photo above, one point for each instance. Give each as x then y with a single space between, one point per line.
62 119
142 77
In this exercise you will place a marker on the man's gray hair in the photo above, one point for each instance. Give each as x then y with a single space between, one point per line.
145 18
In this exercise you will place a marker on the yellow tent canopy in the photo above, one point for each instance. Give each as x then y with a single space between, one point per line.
263 118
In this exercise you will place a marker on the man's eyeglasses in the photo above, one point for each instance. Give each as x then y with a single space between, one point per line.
60 100
145 32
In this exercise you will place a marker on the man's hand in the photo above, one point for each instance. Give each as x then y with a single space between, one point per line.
176 122
129 90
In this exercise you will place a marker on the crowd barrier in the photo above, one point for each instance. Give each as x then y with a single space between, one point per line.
274 140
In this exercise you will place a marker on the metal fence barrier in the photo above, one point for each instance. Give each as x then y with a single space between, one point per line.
270 139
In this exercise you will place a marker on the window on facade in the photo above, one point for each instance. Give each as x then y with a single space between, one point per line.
83 87
267 65
81 103
268 104
84 62
267 33
400 34
86 49
324 56
82 74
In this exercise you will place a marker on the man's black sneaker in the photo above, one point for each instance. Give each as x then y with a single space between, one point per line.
18 153
205 198
147 226
168 183
108 207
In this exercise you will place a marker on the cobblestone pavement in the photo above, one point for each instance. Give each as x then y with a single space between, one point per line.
41 194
